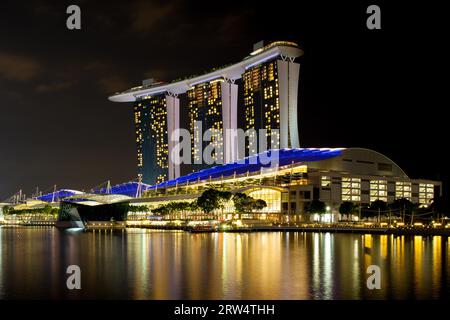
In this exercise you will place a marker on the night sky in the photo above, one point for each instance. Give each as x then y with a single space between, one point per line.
379 89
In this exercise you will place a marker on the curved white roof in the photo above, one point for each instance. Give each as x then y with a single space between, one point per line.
90 199
361 161
233 72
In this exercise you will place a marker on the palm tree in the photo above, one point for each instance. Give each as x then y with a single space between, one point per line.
317 207
347 208
379 205
404 206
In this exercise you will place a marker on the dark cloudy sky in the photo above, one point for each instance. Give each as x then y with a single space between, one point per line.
379 89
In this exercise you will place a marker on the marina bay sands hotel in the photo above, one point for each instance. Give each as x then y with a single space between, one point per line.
258 95
259 92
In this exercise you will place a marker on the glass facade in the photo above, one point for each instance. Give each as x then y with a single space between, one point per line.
351 189
403 190
150 118
270 196
205 105
262 103
426 193
325 181
378 190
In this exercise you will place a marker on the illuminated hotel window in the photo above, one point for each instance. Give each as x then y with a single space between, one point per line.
270 196
403 190
261 102
378 190
205 105
161 178
351 189
426 193
325 181
150 118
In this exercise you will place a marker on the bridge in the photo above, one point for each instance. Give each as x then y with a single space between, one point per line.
252 165
131 189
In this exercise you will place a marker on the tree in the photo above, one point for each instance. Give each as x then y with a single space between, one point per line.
47 209
182 207
402 203
193 206
347 208
213 199
7 210
404 206
224 198
208 201
366 212
139 208
378 206
244 204
175 207
260 204
317 207
161 210
440 207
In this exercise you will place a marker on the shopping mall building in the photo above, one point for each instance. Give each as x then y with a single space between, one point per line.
298 177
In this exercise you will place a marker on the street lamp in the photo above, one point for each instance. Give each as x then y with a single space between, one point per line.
328 212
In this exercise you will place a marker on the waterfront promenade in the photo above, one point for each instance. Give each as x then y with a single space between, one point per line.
334 228
313 227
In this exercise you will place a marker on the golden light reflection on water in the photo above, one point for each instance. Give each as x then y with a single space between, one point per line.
384 246
145 264
418 262
436 272
355 267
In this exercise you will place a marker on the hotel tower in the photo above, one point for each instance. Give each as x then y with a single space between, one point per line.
259 92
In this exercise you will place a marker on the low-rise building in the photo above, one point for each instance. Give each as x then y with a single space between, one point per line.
295 177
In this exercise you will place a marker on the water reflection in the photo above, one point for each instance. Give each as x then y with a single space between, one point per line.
144 264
